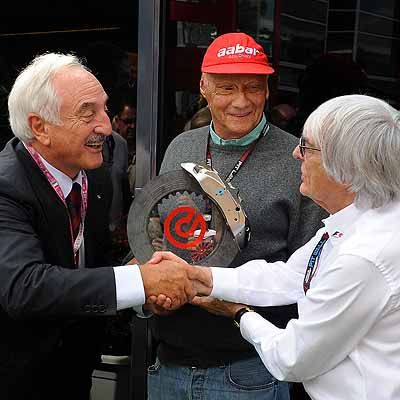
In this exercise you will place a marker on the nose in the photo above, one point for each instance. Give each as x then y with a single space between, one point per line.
296 154
241 100
103 127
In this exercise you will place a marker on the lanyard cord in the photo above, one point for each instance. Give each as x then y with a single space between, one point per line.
242 158
314 261
76 244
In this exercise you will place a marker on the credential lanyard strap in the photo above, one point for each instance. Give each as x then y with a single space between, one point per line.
313 262
57 188
242 158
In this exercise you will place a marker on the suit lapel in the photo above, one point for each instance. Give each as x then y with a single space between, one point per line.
52 220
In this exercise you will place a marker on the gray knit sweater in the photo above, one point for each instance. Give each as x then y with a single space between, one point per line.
281 221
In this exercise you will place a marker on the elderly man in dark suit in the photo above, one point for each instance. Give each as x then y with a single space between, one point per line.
54 206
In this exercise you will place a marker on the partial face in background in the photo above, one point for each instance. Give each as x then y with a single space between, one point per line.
76 143
125 122
236 102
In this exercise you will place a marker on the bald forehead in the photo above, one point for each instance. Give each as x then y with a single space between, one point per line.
68 74
78 87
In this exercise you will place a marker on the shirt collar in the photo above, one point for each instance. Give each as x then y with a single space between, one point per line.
338 224
243 141
63 180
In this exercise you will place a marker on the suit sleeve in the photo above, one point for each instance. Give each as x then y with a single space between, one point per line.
32 288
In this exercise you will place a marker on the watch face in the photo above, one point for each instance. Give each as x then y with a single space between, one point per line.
172 213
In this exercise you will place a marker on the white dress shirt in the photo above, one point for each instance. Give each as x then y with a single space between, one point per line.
128 279
345 343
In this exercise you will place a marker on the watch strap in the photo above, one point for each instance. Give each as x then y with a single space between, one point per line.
239 315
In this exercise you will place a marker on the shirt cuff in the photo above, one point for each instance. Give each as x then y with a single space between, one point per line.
142 313
255 328
129 286
224 283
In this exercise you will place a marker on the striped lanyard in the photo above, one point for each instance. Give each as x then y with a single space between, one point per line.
313 262
76 244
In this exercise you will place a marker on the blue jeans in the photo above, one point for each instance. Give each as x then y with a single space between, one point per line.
240 380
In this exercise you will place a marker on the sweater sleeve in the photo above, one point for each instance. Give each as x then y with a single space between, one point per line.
185 148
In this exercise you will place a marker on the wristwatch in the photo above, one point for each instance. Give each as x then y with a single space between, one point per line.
239 314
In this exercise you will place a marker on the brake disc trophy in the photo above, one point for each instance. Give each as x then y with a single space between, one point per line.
191 212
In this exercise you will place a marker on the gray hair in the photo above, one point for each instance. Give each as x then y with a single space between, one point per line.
359 138
33 91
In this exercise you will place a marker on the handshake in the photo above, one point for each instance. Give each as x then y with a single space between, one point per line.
170 282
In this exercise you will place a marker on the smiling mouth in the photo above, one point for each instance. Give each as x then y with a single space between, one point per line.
240 115
95 144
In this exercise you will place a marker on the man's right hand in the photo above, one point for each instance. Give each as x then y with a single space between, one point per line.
201 278
170 278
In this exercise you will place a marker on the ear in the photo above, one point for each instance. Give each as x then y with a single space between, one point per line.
266 92
203 87
38 128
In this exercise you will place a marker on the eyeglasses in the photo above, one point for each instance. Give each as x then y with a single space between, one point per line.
303 147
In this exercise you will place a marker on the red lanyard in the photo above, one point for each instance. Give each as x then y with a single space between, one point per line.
55 185
242 158
313 262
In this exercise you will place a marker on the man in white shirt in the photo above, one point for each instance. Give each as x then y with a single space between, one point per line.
346 280
54 207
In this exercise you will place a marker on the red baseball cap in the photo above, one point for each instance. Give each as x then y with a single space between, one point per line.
236 53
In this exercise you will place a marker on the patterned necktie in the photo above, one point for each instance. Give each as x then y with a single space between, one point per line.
74 201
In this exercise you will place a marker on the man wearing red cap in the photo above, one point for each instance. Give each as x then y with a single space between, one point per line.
201 355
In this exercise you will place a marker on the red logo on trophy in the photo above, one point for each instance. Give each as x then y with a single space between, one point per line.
182 222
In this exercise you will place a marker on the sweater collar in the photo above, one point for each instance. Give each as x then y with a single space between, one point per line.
243 141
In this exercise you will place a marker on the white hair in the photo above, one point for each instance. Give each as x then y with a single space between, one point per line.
359 138
33 91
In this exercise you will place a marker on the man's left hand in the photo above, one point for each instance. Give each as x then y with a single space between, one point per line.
217 307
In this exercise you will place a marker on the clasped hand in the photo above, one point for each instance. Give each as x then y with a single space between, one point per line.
170 281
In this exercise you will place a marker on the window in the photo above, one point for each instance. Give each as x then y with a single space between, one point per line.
342 20
340 42
313 10
387 8
343 4
379 26
256 18
301 42
378 56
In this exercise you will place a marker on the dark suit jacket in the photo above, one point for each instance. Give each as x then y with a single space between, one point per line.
48 327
